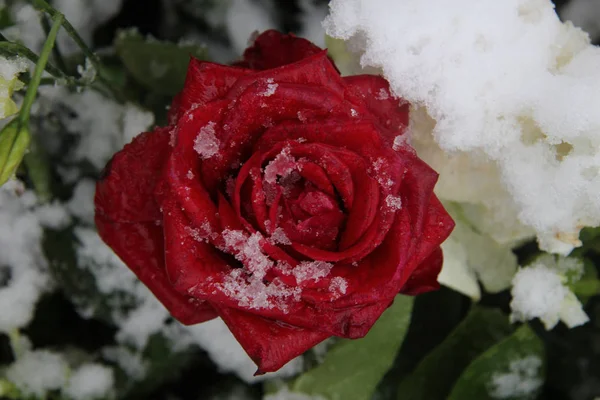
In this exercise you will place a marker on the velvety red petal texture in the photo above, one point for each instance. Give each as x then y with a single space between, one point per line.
272 50
279 199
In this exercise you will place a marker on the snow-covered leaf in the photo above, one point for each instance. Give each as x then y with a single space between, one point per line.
436 373
512 369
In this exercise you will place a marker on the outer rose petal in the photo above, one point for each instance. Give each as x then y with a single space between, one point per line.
270 344
204 82
273 49
140 246
374 93
424 277
125 191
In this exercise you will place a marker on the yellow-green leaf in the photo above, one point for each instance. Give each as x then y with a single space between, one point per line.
14 140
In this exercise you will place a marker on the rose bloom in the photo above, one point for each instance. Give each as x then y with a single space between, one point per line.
282 198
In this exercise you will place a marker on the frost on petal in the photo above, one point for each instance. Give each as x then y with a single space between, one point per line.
246 285
338 286
206 143
520 381
271 88
491 97
311 270
393 202
279 237
282 165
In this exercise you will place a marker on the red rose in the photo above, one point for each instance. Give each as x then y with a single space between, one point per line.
276 200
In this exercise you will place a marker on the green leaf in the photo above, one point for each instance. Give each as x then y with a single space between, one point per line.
353 368
14 140
512 369
434 316
481 329
159 66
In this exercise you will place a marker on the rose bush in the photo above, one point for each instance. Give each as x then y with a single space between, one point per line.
282 198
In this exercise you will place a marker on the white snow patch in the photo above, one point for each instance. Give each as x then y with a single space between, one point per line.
521 380
311 271
393 202
81 204
222 347
37 372
279 237
206 143
244 17
338 286
282 165
539 291
487 73
23 267
89 382
271 88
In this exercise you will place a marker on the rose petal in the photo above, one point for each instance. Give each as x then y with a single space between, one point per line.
270 344
373 92
190 260
315 71
272 49
204 82
425 277
252 113
140 246
124 193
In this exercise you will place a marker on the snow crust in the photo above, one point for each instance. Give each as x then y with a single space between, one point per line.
89 382
37 372
23 268
540 291
520 381
487 73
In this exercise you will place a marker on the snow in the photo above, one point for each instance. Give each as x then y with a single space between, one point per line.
271 88
87 72
52 215
311 271
311 18
486 73
103 125
81 204
584 14
222 347
131 362
539 291
21 257
522 379
243 18
112 276
393 202
89 382
282 165
37 372
206 143
279 237
338 286
135 121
